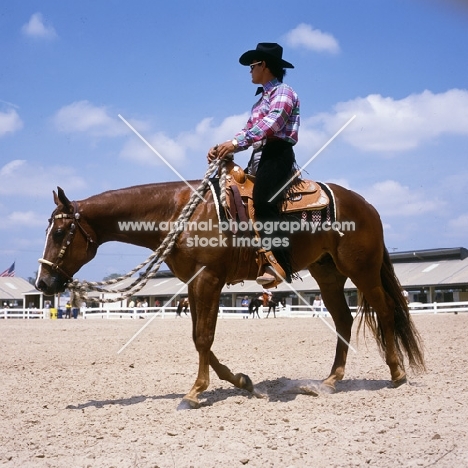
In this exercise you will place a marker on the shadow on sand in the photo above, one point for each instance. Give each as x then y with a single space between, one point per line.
281 389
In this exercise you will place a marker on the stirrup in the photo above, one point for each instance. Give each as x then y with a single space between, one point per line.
270 278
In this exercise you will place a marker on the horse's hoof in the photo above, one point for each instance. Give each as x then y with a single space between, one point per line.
399 382
258 394
187 404
245 382
327 388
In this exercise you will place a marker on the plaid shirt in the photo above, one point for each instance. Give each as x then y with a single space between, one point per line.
276 114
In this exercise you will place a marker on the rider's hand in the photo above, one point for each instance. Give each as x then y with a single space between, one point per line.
220 151
225 148
212 154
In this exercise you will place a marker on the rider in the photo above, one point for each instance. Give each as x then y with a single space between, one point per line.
267 296
272 130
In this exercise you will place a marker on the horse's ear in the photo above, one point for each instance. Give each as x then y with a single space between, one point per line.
61 198
56 200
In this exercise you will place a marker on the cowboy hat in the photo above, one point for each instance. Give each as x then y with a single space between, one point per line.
266 51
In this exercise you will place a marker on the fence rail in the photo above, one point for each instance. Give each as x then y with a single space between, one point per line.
224 312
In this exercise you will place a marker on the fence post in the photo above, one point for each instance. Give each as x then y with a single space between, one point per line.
435 307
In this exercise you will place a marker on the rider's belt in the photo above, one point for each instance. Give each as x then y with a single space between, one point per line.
260 144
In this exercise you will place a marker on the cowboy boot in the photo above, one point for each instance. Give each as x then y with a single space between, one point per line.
270 272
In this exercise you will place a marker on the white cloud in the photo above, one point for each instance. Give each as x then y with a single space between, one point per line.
85 117
340 181
36 28
390 198
174 150
10 122
21 219
10 168
385 124
459 224
306 36
19 177
137 151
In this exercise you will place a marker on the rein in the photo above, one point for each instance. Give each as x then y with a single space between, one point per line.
81 288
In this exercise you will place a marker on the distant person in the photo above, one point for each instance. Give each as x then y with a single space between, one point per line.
266 296
317 304
406 295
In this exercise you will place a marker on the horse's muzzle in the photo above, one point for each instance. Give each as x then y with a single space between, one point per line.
50 284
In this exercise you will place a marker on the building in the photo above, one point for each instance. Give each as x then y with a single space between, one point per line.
19 293
434 275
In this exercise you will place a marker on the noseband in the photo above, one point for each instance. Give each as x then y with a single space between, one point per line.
76 217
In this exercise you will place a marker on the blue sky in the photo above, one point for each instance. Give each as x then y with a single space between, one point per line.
171 69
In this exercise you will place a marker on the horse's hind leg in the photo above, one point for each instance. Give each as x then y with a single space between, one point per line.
384 306
366 275
331 284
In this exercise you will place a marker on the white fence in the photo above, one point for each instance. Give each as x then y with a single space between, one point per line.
224 312
22 313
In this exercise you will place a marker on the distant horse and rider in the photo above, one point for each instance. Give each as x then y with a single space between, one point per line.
182 306
265 300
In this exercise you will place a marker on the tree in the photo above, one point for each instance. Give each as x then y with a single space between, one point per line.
32 279
112 276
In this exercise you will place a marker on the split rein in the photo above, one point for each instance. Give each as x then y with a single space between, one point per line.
80 289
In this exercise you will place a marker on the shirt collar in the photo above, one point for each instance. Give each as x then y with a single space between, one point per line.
271 84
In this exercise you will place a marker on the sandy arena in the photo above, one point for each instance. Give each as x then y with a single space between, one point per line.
69 400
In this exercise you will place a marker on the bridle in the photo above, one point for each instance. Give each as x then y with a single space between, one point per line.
67 241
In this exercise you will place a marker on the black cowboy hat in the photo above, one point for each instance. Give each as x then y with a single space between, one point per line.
265 50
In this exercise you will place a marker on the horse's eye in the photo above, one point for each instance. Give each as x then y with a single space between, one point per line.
58 234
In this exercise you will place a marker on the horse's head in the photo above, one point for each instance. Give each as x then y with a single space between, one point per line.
70 243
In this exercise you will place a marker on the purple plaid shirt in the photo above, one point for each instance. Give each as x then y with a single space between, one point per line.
275 114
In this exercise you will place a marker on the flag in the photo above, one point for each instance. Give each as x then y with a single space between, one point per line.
9 272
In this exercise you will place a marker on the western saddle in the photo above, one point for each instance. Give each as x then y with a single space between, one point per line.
303 196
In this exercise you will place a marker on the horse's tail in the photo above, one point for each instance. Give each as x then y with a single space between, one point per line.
251 306
179 308
407 338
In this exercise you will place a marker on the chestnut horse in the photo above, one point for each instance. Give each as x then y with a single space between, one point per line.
77 228
182 306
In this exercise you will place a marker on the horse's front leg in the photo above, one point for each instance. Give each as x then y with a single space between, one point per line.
204 293
224 373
